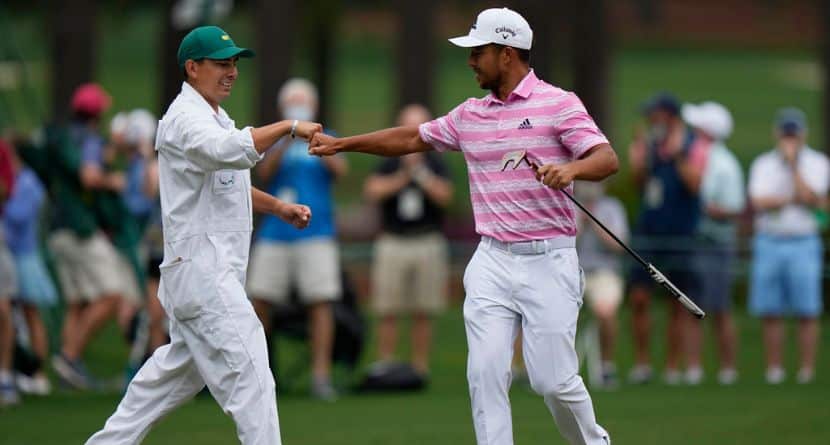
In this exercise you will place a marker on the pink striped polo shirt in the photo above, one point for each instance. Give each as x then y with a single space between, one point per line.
550 123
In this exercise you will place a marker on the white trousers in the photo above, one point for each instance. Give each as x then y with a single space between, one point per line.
543 294
216 340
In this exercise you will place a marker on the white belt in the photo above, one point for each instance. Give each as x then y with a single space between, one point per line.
534 247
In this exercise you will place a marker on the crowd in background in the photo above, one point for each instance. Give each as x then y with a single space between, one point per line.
101 236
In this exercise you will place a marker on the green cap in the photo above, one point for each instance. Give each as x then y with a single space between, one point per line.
209 42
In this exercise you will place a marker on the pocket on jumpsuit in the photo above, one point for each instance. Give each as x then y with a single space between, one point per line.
185 288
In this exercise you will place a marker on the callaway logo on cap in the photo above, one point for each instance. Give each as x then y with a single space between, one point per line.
497 25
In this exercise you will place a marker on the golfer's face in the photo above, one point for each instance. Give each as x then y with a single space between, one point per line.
216 77
484 60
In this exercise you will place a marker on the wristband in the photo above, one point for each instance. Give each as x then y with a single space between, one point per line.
294 128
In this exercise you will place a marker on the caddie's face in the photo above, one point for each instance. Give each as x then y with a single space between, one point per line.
214 79
485 62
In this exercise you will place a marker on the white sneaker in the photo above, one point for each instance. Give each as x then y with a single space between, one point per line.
323 390
727 376
672 377
38 385
693 376
775 376
640 374
805 376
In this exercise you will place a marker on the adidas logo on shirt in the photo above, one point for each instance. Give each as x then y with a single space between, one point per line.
525 125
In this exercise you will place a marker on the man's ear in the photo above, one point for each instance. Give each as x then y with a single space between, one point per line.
190 68
508 56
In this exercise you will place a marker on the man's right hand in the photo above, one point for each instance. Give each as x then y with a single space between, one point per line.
307 130
297 215
322 145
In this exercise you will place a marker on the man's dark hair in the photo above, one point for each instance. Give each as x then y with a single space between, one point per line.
524 54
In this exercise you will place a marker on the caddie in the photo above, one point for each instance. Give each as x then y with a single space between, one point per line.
207 202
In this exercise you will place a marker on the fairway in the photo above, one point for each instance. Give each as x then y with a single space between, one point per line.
750 412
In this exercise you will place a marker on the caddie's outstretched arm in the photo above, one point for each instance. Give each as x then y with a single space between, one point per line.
395 141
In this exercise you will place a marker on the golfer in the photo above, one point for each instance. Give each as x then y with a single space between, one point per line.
206 202
525 271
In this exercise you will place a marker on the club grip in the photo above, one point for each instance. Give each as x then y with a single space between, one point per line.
681 297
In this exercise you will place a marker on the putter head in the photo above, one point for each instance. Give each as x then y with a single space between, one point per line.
516 157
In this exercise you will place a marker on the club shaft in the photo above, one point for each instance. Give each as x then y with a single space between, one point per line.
656 275
606 229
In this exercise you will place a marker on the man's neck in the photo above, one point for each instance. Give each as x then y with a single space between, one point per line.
511 81
207 99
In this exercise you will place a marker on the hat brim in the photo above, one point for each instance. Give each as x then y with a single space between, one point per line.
468 42
229 53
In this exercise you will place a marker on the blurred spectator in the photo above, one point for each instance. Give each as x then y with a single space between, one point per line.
21 223
786 186
722 196
662 169
285 258
8 287
411 259
599 256
132 136
91 273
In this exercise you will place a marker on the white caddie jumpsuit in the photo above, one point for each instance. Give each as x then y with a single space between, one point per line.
216 338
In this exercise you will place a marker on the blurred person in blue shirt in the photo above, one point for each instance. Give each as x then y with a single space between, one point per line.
308 260
662 167
722 194
35 287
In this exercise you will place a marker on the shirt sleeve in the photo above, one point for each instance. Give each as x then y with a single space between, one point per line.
92 151
442 133
817 175
576 129
615 219
757 187
732 178
211 147
25 204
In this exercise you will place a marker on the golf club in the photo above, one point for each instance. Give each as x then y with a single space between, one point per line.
516 157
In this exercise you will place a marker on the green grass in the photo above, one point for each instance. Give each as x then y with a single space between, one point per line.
750 412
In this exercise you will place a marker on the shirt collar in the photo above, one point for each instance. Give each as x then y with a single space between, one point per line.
522 90
190 93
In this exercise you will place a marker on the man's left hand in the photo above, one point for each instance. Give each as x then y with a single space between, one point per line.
295 214
556 176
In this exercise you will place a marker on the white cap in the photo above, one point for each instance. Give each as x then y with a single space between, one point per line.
119 123
711 118
141 127
497 25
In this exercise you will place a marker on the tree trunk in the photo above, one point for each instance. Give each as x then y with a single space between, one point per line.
415 52
824 10
546 35
275 32
324 15
591 57
74 26
171 72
